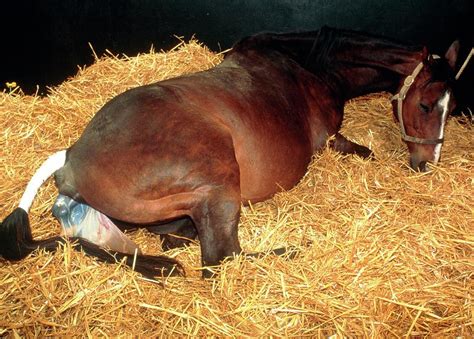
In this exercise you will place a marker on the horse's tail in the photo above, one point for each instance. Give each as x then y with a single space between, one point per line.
16 240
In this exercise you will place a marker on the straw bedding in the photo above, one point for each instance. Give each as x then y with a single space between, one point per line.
384 251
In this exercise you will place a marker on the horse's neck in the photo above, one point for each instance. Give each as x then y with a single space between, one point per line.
364 69
353 64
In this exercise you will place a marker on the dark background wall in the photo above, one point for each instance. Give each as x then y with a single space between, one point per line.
44 41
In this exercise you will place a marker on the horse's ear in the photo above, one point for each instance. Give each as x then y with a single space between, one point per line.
452 54
425 56
425 53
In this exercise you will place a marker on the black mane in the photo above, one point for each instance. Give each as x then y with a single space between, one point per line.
316 49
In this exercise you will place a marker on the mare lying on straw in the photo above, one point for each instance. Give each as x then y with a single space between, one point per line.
186 152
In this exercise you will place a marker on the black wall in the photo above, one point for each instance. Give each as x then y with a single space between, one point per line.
44 40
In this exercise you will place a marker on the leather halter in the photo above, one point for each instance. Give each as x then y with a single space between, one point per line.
400 96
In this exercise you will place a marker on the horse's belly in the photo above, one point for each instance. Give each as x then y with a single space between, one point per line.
263 175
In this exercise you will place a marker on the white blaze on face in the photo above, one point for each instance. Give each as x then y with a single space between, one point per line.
443 104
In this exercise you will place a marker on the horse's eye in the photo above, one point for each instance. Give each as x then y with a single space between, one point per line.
424 108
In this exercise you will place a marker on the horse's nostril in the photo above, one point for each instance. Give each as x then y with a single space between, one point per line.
423 166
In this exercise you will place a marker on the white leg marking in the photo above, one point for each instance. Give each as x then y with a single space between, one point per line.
443 103
51 165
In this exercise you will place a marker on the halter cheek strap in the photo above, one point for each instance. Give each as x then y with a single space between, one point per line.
400 96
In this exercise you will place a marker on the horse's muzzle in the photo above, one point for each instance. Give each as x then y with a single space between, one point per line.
421 167
422 155
418 164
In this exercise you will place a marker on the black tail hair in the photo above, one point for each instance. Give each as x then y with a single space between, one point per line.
16 242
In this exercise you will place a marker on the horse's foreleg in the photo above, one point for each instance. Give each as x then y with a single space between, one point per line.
341 144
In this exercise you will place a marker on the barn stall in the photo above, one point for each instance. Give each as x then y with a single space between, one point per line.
383 251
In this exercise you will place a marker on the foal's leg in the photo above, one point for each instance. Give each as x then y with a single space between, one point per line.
341 144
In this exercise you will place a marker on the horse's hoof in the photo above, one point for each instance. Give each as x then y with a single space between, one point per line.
365 153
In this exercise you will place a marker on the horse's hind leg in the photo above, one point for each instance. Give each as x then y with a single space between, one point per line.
173 234
341 144
216 219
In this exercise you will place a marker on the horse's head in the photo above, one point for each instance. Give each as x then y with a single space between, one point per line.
423 104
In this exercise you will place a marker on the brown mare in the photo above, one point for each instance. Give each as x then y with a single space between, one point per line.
180 156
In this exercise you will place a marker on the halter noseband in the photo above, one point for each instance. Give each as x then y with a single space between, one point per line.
400 96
